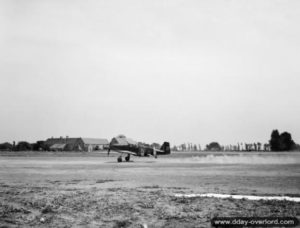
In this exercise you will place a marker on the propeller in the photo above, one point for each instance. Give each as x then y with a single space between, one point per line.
108 150
154 152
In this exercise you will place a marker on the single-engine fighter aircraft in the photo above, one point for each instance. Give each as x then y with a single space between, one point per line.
124 145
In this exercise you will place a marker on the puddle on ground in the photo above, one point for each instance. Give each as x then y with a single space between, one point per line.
248 197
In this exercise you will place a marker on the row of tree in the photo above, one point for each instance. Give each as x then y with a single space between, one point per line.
24 146
278 142
238 147
215 146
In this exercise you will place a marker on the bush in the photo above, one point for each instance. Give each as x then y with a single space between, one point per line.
6 146
40 145
214 146
23 146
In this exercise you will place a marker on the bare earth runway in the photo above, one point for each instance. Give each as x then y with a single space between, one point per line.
93 190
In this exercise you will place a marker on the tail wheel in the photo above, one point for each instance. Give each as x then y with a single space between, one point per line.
119 159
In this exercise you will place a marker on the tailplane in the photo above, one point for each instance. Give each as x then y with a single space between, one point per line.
166 148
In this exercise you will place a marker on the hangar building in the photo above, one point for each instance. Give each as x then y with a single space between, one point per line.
76 144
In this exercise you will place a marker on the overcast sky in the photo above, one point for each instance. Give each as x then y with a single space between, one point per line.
183 71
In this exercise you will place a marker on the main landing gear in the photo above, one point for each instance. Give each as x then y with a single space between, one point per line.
127 158
120 159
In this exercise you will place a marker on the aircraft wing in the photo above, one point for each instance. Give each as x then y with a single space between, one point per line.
159 151
124 152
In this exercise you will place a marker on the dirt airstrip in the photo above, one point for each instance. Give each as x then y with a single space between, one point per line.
76 190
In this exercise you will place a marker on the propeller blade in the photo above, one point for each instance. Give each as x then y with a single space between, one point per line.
154 152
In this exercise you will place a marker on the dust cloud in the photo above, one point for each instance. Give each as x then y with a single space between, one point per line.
243 159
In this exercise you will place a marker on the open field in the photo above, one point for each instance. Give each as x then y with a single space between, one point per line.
92 190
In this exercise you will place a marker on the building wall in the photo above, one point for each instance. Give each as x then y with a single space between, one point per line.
74 144
93 147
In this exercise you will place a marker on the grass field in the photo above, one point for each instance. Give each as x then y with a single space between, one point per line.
93 190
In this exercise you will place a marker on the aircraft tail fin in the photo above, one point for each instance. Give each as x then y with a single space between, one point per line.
166 148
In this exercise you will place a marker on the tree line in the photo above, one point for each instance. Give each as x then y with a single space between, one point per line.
24 146
277 142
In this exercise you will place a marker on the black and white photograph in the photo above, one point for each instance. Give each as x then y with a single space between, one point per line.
149 113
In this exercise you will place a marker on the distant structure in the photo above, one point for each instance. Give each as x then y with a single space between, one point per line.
91 144
76 144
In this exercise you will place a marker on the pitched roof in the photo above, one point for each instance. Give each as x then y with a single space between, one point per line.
58 146
52 141
93 141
